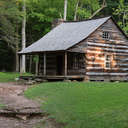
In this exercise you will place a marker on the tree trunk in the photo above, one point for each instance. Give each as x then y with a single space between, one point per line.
65 9
17 49
23 67
17 58
30 63
75 16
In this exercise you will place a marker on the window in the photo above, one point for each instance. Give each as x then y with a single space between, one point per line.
76 61
107 57
107 61
106 35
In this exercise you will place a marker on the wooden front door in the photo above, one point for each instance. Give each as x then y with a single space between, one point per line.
59 65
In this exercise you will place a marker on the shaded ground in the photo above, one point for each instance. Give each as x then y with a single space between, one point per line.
11 96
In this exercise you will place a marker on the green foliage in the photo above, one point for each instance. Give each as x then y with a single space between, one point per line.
122 13
41 14
84 105
83 13
9 15
10 18
87 8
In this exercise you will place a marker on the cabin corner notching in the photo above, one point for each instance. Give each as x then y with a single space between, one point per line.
92 50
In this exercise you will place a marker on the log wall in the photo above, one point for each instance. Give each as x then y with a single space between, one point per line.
96 48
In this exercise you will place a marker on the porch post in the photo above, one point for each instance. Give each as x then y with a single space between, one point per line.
20 63
37 65
65 65
44 64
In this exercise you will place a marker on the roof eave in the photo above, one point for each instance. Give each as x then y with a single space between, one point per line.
37 52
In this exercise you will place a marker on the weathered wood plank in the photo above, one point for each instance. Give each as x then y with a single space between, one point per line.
107 45
65 63
107 49
106 73
93 51
44 64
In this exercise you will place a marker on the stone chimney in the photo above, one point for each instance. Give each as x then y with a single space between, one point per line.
57 22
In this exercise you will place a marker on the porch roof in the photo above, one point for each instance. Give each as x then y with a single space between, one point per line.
65 36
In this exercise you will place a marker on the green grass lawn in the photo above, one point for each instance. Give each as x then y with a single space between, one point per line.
9 76
84 105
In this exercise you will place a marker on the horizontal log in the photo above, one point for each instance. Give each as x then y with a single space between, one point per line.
107 70
105 73
122 59
102 63
117 41
120 64
107 78
91 62
96 58
107 49
108 42
101 52
95 68
100 68
106 45
113 31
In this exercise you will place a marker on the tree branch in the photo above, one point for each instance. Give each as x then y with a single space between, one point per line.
102 7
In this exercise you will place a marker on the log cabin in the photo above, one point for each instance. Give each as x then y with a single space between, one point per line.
93 50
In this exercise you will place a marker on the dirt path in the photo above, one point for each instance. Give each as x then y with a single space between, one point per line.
11 96
9 122
17 107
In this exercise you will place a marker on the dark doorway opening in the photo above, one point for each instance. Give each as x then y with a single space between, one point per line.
59 65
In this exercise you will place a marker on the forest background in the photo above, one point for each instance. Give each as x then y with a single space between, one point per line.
37 16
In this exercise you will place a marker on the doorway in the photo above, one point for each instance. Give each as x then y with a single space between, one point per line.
59 65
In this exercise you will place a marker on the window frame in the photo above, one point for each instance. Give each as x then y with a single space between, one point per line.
107 61
106 35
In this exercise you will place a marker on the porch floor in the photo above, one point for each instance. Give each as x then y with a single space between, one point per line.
63 77
48 77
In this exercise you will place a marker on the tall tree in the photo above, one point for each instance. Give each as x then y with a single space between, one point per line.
65 9
10 16
17 47
23 67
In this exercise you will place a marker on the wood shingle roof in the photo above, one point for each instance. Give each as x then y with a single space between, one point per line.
65 36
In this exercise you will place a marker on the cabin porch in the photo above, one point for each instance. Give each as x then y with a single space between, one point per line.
61 65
